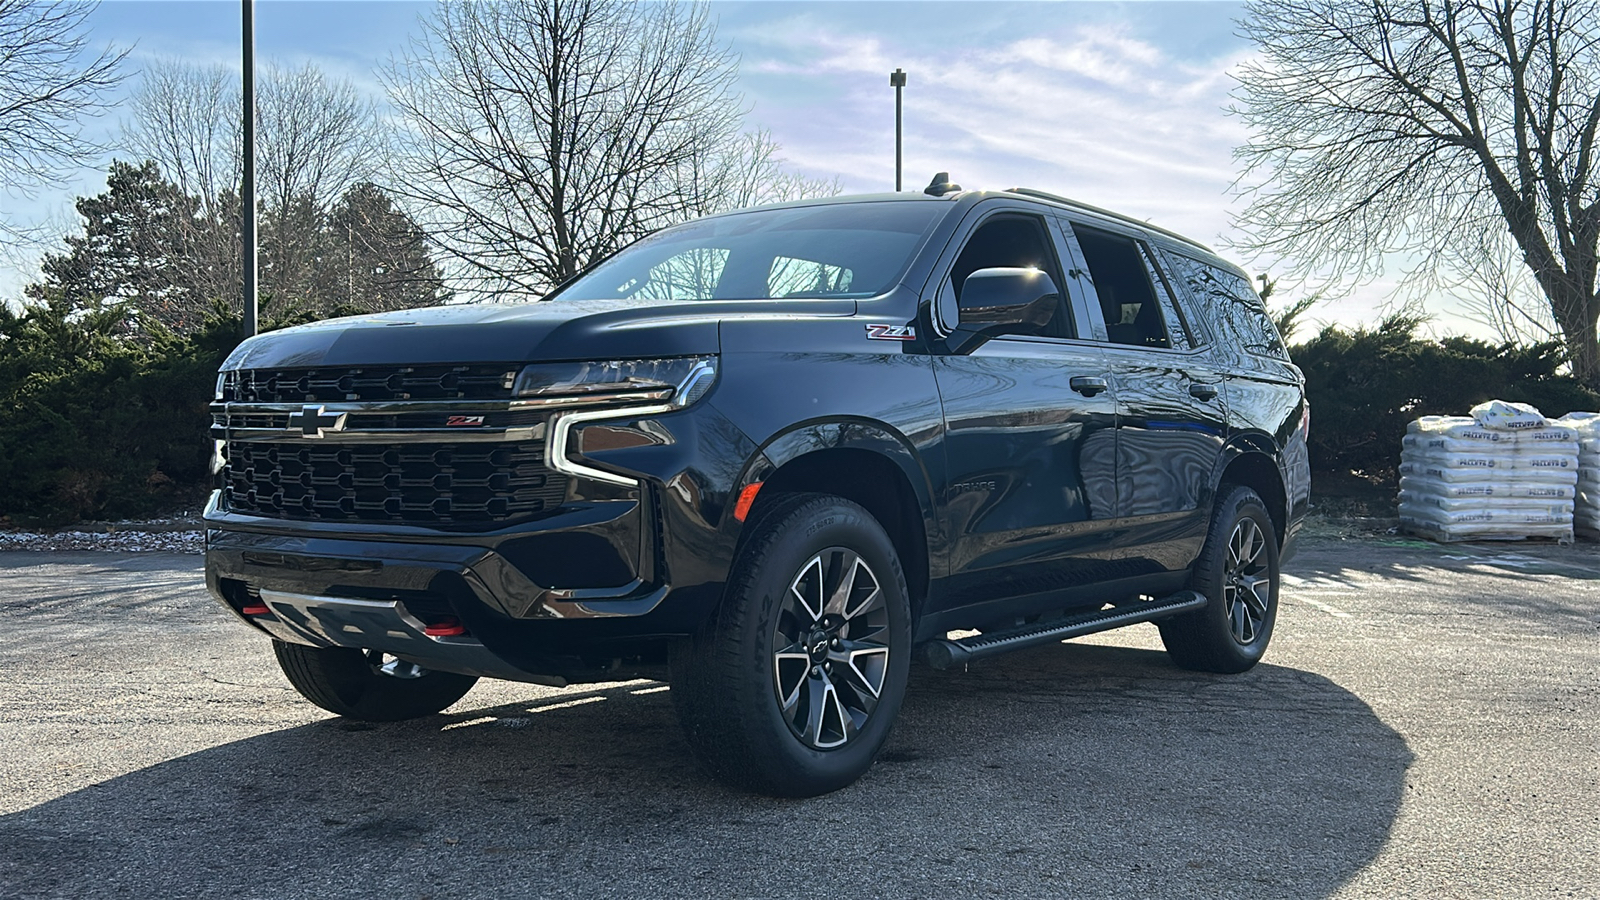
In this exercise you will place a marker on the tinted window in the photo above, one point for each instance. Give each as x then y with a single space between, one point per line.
684 276
1013 241
1228 304
1122 281
838 250
1177 329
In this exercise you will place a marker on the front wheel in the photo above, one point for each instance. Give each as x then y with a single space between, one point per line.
366 684
1238 571
794 685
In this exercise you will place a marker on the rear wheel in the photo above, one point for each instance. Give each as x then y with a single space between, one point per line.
794 685
367 684
1238 572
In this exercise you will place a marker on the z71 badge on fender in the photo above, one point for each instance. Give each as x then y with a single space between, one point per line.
891 332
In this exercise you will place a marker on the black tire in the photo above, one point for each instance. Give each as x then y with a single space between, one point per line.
764 705
350 683
1238 565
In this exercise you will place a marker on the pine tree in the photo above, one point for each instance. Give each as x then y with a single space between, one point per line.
376 257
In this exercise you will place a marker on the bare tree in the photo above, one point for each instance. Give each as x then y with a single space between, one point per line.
1496 289
316 138
185 117
749 172
542 135
319 136
50 82
1427 129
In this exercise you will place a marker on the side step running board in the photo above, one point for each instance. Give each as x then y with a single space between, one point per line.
946 654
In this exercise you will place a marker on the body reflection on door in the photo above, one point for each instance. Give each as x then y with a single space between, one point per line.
1032 468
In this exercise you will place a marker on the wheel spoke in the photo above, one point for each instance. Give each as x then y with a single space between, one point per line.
849 572
838 726
1242 629
1245 538
807 588
826 721
1256 591
790 667
864 667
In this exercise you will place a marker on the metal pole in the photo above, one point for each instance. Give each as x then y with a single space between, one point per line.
897 79
247 191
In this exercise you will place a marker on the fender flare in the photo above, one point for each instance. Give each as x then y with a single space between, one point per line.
1252 443
845 433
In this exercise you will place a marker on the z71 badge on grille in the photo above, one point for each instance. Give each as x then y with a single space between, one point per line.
460 421
891 332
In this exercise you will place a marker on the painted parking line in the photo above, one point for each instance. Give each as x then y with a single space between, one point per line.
1318 604
1317 585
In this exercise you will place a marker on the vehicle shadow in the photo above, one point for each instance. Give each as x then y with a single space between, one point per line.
1068 771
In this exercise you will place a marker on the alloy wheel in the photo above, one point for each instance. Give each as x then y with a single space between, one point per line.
833 657
1247 582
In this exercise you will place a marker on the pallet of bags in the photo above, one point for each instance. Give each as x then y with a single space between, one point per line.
1504 473
1586 510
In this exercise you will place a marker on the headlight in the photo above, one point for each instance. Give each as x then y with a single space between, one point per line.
676 382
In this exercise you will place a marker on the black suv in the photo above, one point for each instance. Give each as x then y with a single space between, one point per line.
771 456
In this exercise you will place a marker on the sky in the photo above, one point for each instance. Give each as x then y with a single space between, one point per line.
1121 105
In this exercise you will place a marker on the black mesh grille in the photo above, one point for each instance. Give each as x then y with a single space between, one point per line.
369 384
422 484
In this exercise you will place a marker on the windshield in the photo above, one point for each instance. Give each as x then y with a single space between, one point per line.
842 250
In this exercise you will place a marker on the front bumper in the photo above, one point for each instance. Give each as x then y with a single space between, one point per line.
376 590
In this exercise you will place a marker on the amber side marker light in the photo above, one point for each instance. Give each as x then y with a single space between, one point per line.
747 499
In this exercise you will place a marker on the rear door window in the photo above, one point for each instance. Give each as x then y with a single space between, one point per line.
1227 303
1122 281
1177 329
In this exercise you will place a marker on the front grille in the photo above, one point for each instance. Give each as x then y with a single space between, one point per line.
369 384
420 484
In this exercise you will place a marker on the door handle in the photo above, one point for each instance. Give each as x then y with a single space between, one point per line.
1203 391
1088 385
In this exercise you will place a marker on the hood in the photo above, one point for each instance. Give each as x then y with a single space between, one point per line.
520 332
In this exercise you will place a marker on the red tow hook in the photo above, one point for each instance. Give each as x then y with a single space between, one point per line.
256 609
447 627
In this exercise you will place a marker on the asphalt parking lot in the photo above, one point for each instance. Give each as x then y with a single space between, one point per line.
1427 724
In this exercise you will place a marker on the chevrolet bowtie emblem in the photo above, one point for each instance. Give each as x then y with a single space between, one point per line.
312 421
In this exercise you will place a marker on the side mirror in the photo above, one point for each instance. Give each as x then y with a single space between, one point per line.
1007 300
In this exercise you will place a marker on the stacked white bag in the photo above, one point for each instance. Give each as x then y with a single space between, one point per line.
1505 473
1586 510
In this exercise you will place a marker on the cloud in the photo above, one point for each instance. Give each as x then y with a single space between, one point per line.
1088 110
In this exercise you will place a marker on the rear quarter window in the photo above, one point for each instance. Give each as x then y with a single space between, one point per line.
1224 303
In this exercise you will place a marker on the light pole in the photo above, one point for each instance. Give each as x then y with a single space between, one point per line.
247 190
897 80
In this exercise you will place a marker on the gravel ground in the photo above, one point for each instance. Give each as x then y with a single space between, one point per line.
120 541
173 534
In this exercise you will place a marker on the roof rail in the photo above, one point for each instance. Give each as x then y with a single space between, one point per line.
1067 201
